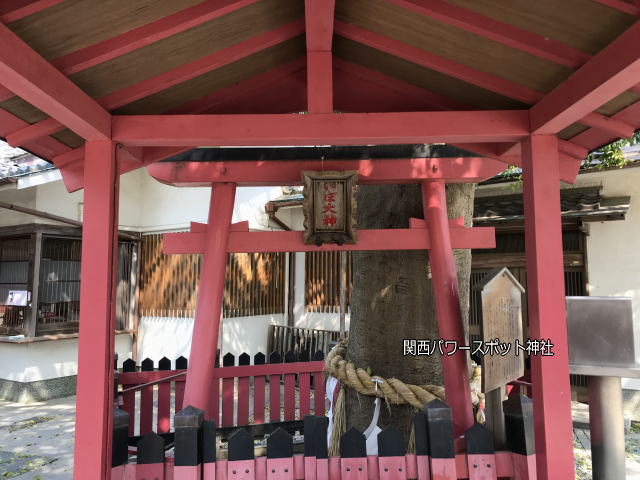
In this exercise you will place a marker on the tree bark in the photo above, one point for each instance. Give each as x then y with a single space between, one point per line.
392 299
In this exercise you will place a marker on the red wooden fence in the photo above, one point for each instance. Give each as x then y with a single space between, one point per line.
248 394
196 455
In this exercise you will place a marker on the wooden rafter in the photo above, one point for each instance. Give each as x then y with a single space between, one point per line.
31 77
621 5
487 27
17 9
612 71
173 77
137 38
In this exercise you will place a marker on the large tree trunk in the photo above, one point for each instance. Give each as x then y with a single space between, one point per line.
392 299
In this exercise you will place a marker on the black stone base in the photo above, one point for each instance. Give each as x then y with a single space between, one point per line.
39 391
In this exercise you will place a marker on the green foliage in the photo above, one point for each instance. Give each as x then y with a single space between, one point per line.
611 155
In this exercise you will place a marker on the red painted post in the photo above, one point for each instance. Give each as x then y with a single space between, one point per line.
198 388
447 297
546 305
94 402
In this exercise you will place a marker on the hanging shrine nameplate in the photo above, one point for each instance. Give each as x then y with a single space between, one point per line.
329 207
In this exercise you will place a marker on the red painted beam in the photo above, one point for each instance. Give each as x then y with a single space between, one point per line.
24 9
46 148
285 172
359 86
423 58
492 29
259 85
615 69
35 80
615 127
276 241
319 34
621 5
594 138
185 72
321 129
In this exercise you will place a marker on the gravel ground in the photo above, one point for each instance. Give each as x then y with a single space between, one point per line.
36 442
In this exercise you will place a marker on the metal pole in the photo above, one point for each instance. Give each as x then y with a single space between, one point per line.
606 421
343 292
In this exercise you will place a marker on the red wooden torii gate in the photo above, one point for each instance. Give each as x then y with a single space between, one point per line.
436 233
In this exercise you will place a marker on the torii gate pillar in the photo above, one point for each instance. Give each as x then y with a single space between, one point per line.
199 384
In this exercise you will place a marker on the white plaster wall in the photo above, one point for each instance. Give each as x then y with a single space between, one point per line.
171 336
613 257
145 204
43 360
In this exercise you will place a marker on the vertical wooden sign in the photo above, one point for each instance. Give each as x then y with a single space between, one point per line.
329 207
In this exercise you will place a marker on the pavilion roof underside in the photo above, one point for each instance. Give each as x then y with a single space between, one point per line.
248 56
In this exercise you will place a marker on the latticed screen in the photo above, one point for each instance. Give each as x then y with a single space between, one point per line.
15 254
322 281
255 282
59 290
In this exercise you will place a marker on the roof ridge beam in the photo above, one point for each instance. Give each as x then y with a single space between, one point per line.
31 77
319 18
500 32
615 69
179 74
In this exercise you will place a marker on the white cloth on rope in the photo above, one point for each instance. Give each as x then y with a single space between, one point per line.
330 388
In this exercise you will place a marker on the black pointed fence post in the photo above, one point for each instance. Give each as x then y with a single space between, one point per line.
208 450
181 364
422 446
146 399
518 420
120 442
280 455
391 454
440 438
309 447
481 460
321 447
353 456
241 463
129 398
150 457
188 441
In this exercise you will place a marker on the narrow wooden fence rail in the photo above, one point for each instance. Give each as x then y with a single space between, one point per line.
283 339
249 393
198 456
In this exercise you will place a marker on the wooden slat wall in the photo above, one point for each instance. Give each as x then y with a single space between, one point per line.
322 280
255 282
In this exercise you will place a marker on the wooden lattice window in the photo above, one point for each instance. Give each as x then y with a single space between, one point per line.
254 282
322 281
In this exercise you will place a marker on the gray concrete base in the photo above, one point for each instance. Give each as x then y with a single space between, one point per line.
39 391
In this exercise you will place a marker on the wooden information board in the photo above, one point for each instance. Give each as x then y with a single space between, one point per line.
501 320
